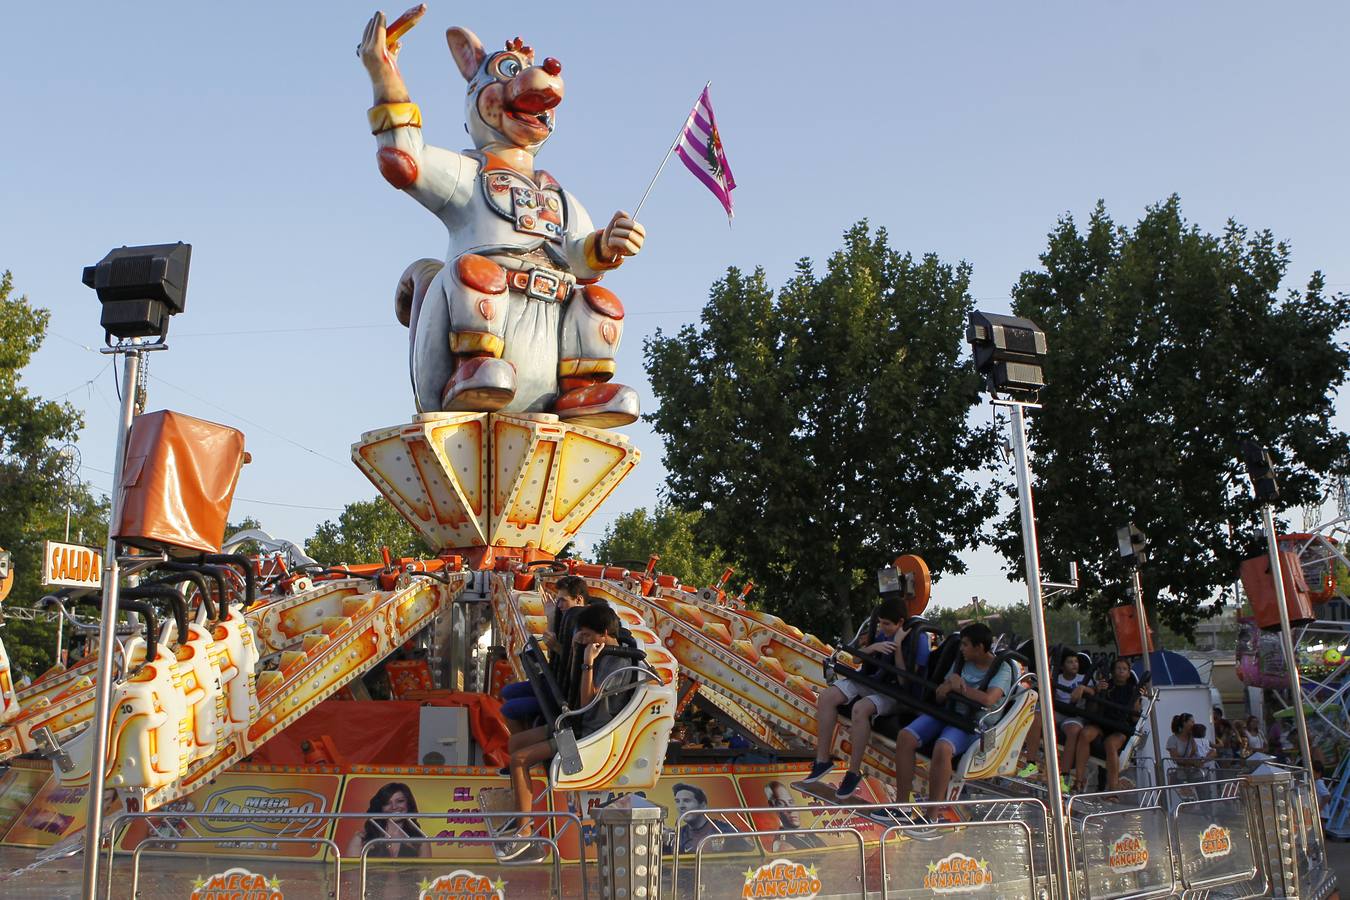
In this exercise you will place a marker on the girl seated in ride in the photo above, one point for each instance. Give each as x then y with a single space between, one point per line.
1072 687
597 627
867 702
1120 711
519 706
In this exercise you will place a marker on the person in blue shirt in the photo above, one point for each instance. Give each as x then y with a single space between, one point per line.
962 694
867 703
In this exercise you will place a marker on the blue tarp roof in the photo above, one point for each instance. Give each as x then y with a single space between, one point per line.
1169 668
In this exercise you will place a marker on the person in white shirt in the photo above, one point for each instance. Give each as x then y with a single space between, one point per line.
1256 740
1320 784
1204 750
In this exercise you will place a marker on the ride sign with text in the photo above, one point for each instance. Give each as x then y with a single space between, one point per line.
71 565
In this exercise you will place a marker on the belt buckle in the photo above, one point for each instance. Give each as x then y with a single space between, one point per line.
543 285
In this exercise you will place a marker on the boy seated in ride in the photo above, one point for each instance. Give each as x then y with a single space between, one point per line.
962 693
1072 688
597 627
867 703
519 706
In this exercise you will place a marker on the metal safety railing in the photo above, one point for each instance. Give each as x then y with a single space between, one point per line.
907 821
1141 843
292 823
1240 836
142 845
551 843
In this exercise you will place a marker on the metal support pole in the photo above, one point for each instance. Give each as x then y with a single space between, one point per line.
1044 681
1141 616
60 623
107 629
1287 642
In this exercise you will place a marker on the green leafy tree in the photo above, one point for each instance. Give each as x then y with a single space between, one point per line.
358 534
34 483
668 532
822 431
1167 346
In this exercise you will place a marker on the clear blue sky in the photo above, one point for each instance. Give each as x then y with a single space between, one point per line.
963 128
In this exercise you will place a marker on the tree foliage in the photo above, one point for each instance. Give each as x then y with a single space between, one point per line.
821 431
34 479
668 532
360 531
1167 346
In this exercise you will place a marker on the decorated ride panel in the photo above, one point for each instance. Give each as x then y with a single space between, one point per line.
63 701
178 722
470 480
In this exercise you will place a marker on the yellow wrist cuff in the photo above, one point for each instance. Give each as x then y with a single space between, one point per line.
388 116
593 260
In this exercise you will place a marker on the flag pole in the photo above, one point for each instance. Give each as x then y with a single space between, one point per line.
675 143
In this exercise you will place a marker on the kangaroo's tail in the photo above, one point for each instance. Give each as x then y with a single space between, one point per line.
412 287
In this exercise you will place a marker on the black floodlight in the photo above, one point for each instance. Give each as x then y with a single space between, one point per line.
1133 544
1009 352
140 288
1261 471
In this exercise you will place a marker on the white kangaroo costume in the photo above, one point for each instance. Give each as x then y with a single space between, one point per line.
513 319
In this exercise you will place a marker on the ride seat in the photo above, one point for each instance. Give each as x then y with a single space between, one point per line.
143 748
995 753
237 657
9 702
198 676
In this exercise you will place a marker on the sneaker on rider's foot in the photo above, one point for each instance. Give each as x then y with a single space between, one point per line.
849 786
516 850
1064 784
1028 770
818 771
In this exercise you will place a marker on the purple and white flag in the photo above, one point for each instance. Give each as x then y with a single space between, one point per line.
700 146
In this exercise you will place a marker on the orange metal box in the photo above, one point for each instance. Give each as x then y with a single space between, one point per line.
1125 623
1259 584
177 482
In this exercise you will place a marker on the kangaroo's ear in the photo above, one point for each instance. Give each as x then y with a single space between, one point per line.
467 50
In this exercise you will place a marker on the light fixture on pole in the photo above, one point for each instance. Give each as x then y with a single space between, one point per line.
1133 545
1010 354
1261 470
140 289
893 584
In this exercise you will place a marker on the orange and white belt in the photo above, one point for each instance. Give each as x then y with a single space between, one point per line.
542 284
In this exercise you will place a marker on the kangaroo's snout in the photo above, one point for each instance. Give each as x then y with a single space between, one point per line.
536 89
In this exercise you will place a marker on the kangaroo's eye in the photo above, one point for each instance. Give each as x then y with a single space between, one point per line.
508 66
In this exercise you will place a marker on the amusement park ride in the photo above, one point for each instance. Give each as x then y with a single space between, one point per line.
209 653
